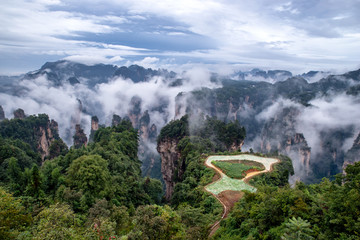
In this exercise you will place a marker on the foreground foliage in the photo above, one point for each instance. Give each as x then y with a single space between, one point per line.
97 192
329 210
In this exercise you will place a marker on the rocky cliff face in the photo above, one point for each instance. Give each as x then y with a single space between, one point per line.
80 138
353 155
116 119
38 131
328 159
171 168
47 135
147 132
279 134
2 114
236 147
19 114
134 112
150 159
94 127
94 123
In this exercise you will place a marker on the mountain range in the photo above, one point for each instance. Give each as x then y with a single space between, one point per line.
310 117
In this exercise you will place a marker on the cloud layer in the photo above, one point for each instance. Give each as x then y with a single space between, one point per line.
294 35
62 104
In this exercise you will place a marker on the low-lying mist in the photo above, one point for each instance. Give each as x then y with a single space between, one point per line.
75 104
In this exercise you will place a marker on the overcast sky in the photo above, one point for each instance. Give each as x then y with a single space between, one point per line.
293 35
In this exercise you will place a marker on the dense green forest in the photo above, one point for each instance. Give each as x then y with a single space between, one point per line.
23 129
97 192
88 193
328 210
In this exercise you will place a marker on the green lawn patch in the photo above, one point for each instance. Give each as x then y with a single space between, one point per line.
238 168
227 183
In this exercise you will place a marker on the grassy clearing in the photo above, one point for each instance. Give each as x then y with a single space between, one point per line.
227 183
237 168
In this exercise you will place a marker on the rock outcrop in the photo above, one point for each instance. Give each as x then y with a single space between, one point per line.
116 119
147 132
134 112
236 147
19 114
353 155
80 138
37 131
2 114
150 159
153 133
94 123
171 166
94 127
279 134
46 136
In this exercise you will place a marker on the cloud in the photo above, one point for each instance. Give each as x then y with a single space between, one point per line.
336 112
148 62
287 7
39 96
113 97
312 34
333 112
93 59
330 121
273 110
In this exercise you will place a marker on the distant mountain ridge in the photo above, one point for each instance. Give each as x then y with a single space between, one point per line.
257 74
63 71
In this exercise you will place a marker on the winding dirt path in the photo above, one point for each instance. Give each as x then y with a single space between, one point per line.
227 198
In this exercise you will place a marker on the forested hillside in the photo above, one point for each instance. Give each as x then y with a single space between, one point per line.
97 192
87 193
328 210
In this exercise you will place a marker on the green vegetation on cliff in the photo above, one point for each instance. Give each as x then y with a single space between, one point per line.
85 193
97 192
28 129
220 136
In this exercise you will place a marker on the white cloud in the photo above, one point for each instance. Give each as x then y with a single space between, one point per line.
61 103
39 96
94 59
148 62
338 112
319 35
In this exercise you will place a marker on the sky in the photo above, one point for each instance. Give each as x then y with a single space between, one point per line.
223 35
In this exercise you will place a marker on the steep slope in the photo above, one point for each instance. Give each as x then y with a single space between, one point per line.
353 155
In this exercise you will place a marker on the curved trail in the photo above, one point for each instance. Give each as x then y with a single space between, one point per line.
236 184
